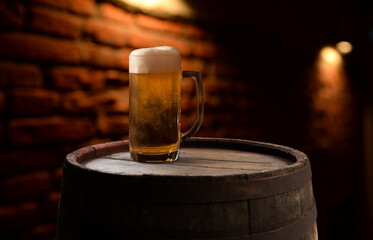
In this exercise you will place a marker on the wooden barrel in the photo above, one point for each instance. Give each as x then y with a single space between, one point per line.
218 189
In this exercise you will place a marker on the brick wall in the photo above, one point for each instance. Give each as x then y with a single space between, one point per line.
64 85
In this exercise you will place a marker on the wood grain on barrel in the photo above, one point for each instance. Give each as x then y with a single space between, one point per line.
193 161
289 206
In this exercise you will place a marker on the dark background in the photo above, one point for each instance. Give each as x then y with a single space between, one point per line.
276 45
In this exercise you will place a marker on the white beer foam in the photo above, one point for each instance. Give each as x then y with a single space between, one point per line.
155 60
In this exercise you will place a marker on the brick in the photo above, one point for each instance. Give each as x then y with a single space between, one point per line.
36 47
11 14
84 7
20 75
73 78
17 160
104 56
138 38
223 69
55 22
122 58
193 64
212 85
209 120
196 32
183 45
116 101
104 31
98 55
26 187
69 78
156 24
116 78
49 130
80 102
18 216
97 80
109 11
113 126
204 49
34 102
187 103
186 122
187 86
212 101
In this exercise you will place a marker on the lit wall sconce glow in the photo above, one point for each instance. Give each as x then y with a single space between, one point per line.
344 47
331 99
162 7
330 55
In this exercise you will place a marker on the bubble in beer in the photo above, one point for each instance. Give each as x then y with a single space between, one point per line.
155 60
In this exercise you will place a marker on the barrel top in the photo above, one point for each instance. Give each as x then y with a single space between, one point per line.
198 157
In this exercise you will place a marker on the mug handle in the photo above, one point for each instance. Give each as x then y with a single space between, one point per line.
196 75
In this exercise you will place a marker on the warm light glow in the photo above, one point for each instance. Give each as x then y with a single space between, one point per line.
162 7
330 99
329 67
330 55
344 47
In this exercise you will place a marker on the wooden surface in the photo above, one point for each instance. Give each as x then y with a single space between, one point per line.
192 162
218 189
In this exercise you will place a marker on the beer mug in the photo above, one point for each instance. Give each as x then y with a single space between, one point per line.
154 104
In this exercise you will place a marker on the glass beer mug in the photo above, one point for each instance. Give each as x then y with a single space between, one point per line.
154 104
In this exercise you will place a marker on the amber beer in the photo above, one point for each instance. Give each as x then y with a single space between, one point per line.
154 98
155 114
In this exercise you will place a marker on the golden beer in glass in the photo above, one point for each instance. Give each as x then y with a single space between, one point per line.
154 98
